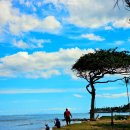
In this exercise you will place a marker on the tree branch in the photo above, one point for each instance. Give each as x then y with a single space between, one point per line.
110 81
116 4
98 77
88 89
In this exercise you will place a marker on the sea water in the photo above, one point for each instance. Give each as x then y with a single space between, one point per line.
33 122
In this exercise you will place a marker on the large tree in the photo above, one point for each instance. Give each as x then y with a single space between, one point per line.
94 66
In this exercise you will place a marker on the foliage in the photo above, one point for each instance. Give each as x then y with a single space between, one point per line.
102 62
124 108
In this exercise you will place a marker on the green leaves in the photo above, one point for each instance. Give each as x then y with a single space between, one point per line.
104 61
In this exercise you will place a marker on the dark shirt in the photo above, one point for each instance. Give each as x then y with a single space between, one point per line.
47 128
57 123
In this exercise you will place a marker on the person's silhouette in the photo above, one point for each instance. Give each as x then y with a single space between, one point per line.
67 116
57 123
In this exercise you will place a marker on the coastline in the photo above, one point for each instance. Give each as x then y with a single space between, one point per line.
100 124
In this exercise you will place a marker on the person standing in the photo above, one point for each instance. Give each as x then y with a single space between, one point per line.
67 116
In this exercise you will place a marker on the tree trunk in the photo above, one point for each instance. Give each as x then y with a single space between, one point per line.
92 112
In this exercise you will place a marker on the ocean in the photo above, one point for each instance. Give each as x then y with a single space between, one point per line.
33 122
37 122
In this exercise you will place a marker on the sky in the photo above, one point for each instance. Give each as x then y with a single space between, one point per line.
40 40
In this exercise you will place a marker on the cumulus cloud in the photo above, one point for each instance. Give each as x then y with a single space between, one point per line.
94 14
122 23
91 36
40 64
82 13
18 22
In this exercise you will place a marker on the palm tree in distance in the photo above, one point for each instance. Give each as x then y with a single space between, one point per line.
127 81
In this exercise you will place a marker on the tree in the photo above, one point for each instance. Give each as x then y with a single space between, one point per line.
94 66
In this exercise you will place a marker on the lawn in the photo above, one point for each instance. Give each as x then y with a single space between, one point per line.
102 124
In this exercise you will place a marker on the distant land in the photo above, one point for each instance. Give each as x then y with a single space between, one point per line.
123 108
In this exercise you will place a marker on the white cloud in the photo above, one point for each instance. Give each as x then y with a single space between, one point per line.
31 3
6 73
53 109
118 43
94 14
28 3
1 30
77 95
45 90
120 95
129 39
43 74
21 1
92 36
32 43
38 43
31 91
98 16
108 28
73 75
107 88
40 64
62 109
18 22
20 44
22 24
122 23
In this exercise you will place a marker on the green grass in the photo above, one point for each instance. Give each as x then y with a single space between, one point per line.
102 124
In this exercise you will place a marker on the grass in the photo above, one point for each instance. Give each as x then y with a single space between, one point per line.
102 124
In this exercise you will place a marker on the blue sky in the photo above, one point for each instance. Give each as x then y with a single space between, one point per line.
40 41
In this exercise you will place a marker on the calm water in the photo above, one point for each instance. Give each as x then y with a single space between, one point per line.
32 122
37 122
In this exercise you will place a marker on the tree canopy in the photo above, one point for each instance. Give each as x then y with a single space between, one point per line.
102 62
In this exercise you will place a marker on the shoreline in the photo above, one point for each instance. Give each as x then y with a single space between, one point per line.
100 124
116 118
